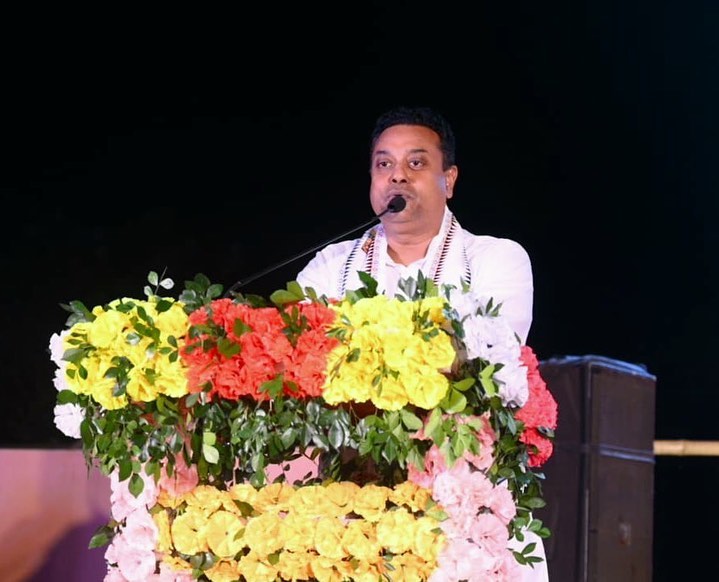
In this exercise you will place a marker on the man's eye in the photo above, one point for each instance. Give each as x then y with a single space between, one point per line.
383 164
416 163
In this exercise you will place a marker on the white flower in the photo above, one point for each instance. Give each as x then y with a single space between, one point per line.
60 380
57 349
68 418
513 384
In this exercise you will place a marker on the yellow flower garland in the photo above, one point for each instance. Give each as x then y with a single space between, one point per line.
393 353
325 532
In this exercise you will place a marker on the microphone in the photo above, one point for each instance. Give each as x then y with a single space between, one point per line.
396 204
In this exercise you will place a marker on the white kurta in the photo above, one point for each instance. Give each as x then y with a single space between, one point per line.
498 268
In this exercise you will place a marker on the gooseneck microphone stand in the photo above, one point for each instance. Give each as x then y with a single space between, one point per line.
397 204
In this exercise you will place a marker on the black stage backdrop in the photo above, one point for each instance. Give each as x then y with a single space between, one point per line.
226 143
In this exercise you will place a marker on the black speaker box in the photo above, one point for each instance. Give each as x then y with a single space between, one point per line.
599 483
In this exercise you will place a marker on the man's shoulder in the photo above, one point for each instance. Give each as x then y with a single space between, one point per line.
329 256
337 249
489 243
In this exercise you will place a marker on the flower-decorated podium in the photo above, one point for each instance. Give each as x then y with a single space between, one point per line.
308 438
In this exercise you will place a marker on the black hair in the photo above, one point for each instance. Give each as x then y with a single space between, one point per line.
424 116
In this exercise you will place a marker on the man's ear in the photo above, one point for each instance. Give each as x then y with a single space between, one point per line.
450 177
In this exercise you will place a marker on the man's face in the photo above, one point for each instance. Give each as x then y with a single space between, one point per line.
407 161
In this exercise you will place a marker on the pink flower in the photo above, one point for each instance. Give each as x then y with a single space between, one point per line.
123 502
135 564
450 486
114 575
183 480
434 464
490 533
140 530
463 560
501 502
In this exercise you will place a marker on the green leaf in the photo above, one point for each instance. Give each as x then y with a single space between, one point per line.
136 484
163 305
454 402
227 347
410 420
209 438
67 397
214 291
369 283
336 434
534 502
434 426
283 297
152 278
125 466
294 288
101 537
210 454
464 385
485 378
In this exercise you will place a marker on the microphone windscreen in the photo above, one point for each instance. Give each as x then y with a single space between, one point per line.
397 204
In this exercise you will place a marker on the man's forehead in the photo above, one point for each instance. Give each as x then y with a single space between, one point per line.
407 139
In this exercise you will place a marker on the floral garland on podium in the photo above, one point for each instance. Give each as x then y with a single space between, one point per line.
307 438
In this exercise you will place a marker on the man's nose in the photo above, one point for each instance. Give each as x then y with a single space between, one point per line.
398 174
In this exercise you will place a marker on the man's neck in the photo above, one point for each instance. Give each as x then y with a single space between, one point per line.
404 250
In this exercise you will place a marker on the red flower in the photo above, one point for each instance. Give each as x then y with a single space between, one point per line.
540 411
263 351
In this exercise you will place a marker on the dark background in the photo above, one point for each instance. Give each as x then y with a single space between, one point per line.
224 143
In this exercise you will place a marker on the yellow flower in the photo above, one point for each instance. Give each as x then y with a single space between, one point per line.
410 566
274 496
325 570
328 537
371 502
99 387
224 571
427 540
171 377
411 495
256 568
136 353
224 533
168 500
295 566
390 394
263 534
106 328
139 387
360 541
426 387
164 539
173 322
359 571
207 499
341 494
189 531
394 530
177 564
298 532
388 340
311 500
243 492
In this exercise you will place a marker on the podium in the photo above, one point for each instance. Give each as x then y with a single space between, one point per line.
599 485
